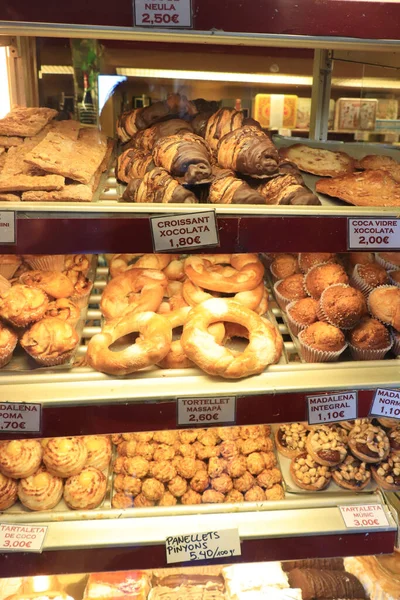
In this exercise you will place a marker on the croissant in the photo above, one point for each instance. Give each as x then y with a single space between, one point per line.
228 189
249 151
184 155
286 190
126 124
287 167
145 140
220 123
133 163
157 186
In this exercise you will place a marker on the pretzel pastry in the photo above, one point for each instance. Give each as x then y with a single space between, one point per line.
352 474
308 474
244 273
264 348
120 263
134 291
369 443
150 348
325 445
194 295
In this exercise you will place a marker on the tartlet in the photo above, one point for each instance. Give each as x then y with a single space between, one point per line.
348 425
85 491
368 276
384 305
284 265
321 342
352 474
369 443
290 439
289 289
302 313
308 474
65 457
40 491
22 305
8 492
369 340
311 259
387 474
20 458
325 445
54 283
8 341
394 440
320 277
342 306
50 342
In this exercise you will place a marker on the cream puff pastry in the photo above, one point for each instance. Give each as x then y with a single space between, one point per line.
99 451
65 457
8 492
86 490
41 491
20 458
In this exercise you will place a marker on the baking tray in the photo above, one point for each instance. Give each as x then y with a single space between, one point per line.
22 362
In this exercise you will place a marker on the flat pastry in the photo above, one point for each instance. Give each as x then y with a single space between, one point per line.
8 341
326 446
290 439
22 305
99 451
20 458
64 309
369 188
76 192
65 457
54 283
318 161
50 342
7 141
40 491
369 443
352 474
379 575
380 162
25 122
387 473
308 474
8 492
86 490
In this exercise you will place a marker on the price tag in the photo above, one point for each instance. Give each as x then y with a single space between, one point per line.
330 408
20 417
364 516
7 227
168 13
184 232
203 546
22 538
386 403
373 234
206 411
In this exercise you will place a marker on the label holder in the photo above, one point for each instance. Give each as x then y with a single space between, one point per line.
160 248
352 416
186 13
378 238
182 412
34 420
19 545
8 216
384 414
363 521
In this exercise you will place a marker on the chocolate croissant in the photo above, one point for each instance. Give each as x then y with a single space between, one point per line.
157 186
228 189
248 150
126 124
184 155
224 121
145 140
286 190
133 163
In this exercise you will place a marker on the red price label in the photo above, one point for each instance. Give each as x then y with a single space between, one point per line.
169 13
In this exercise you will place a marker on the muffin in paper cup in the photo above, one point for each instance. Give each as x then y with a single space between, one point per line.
385 263
396 341
281 300
8 342
4 284
82 300
294 326
394 277
45 262
357 282
313 355
8 265
369 354
369 306
326 319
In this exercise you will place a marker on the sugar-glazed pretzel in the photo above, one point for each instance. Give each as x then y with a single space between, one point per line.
120 263
243 272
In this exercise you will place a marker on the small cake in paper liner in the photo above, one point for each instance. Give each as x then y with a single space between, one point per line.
369 340
342 306
8 341
301 313
289 289
396 341
394 277
9 263
321 342
45 262
367 277
388 260
319 277
384 305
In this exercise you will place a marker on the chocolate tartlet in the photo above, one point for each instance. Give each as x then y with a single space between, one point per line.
387 474
342 306
326 446
322 276
352 474
369 443
309 475
290 439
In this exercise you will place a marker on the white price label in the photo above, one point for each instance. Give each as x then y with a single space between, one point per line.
330 408
203 546
168 13
7 227
374 234
206 411
21 417
22 538
184 232
364 516
386 403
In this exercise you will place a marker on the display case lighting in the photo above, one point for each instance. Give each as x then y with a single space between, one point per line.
5 103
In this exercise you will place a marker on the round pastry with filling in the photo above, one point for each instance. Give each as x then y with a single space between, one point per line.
66 456
342 306
8 341
20 458
290 439
321 342
369 340
22 305
85 491
369 443
322 276
325 445
8 492
307 474
348 425
98 451
40 491
50 342
387 473
311 259
384 305
352 474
